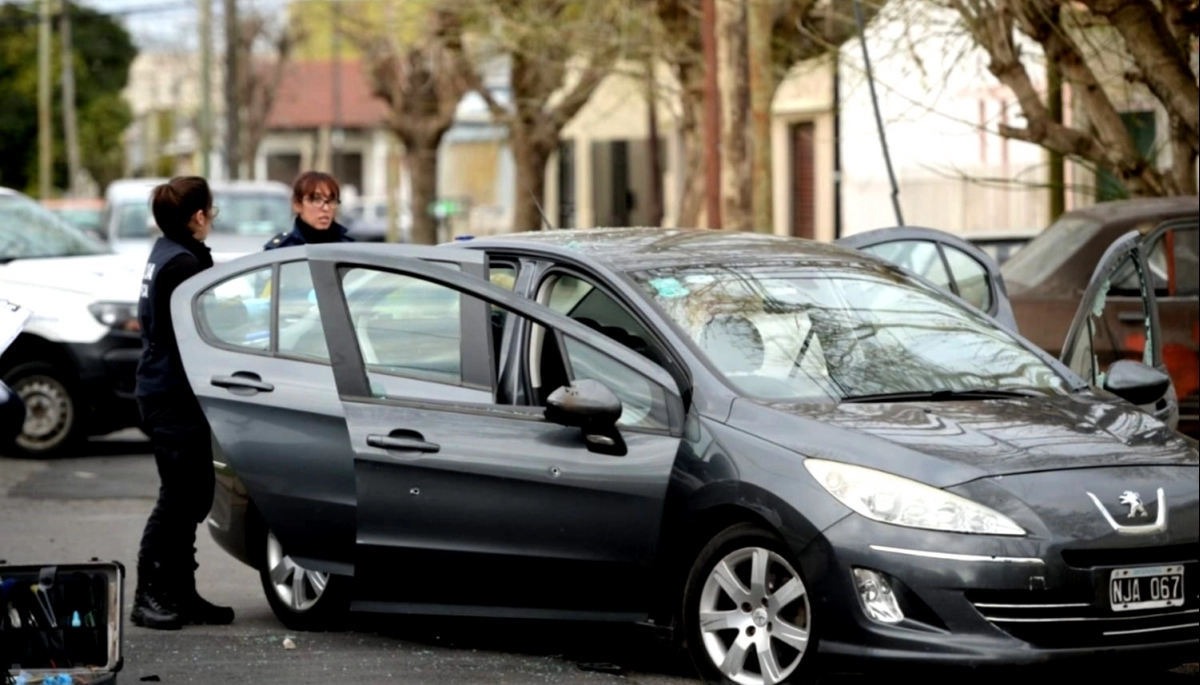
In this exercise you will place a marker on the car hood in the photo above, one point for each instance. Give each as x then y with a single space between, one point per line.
109 277
225 247
949 443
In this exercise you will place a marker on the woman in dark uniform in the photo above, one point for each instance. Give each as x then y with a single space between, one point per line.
166 596
315 199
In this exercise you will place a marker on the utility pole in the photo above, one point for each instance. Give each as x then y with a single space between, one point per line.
45 141
232 110
205 127
70 124
712 115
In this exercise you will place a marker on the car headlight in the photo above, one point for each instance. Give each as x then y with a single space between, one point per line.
119 316
891 499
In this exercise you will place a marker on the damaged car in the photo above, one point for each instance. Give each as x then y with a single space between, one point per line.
787 454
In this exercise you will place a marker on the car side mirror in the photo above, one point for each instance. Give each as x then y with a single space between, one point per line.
1136 382
586 403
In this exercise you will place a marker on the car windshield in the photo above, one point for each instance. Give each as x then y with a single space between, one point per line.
30 231
249 214
790 333
1048 251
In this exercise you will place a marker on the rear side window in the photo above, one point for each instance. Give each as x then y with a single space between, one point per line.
917 256
971 278
237 312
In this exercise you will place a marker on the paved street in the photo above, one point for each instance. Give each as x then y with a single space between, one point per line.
94 506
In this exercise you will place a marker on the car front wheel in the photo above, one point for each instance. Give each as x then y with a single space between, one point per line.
302 599
53 424
747 614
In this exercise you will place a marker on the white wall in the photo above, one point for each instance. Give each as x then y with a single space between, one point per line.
940 112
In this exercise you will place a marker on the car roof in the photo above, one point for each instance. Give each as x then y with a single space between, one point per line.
638 249
1126 212
138 189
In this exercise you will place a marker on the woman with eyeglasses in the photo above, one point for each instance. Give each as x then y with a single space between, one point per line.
315 199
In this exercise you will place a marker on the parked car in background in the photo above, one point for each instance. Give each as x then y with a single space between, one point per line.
1046 279
782 450
366 220
1001 246
73 364
249 213
84 213
1039 290
13 318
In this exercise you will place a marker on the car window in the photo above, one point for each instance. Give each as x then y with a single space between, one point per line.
918 256
30 231
237 312
1049 250
581 300
253 214
970 276
798 332
1115 328
300 331
406 326
133 220
1173 257
643 402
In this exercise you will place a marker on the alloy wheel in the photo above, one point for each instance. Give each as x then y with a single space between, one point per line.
49 412
755 618
297 587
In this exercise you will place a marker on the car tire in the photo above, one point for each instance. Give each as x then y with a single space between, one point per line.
744 597
53 416
302 599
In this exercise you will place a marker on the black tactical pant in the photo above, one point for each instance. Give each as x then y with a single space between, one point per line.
180 436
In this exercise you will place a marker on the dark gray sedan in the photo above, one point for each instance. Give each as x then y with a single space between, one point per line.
786 453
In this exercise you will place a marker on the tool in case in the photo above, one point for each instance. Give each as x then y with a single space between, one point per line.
61 624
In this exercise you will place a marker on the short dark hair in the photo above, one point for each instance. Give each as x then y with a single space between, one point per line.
175 202
309 182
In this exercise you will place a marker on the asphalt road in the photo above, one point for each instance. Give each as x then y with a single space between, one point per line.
71 510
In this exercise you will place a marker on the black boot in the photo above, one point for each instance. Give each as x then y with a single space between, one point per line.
193 608
153 606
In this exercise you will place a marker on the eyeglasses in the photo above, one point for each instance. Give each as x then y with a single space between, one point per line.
318 201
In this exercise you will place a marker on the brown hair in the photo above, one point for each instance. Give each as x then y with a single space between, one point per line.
309 182
175 202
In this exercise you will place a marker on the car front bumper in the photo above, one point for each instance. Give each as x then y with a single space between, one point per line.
107 380
976 602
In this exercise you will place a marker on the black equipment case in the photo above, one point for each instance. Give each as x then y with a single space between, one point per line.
61 623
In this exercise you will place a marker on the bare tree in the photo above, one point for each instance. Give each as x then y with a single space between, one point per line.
559 52
800 30
264 49
421 81
1155 42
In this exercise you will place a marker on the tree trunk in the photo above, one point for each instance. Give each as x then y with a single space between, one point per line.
530 159
1183 162
422 168
762 92
732 73
656 180
691 205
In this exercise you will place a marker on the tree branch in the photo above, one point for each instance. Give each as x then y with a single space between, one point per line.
1164 67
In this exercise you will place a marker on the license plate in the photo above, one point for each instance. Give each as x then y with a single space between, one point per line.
1148 587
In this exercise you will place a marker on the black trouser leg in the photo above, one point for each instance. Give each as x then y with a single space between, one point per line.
182 443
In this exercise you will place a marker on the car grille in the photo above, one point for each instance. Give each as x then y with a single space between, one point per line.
1061 620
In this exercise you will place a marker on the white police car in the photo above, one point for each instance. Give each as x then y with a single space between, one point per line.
73 364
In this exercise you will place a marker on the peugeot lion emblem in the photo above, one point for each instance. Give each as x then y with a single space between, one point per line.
1137 510
1131 499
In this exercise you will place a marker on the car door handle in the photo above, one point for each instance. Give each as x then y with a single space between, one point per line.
242 381
403 441
1131 317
